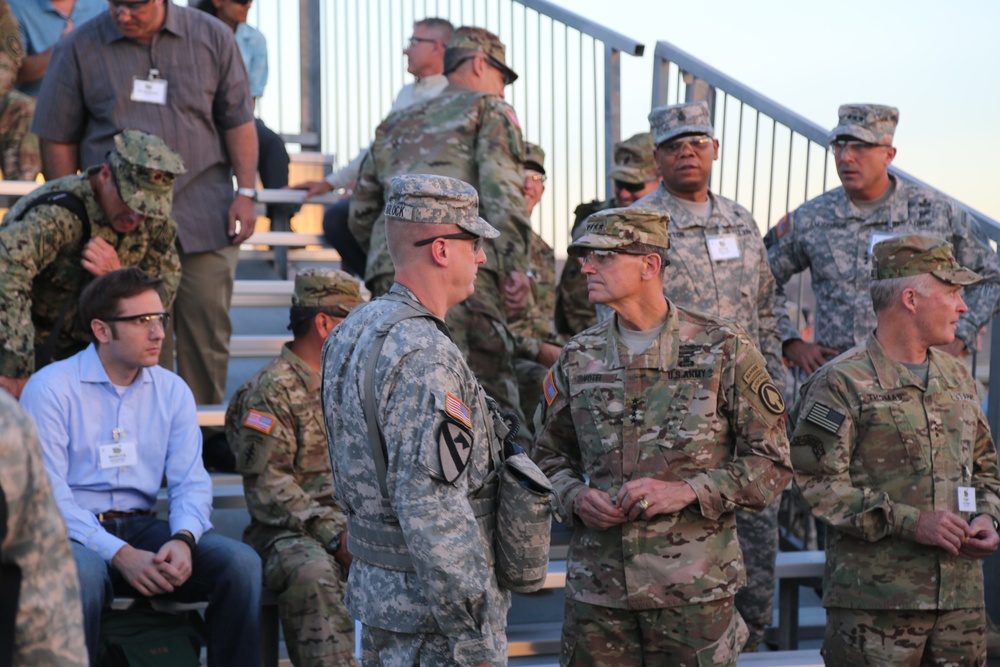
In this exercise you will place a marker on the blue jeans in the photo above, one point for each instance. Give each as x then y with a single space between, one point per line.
225 573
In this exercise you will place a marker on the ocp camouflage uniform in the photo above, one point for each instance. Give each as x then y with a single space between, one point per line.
474 137
275 426
741 290
697 406
874 446
833 237
41 276
20 155
48 628
451 599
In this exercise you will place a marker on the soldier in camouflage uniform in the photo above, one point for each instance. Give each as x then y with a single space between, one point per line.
20 155
656 427
718 265
537 348
468 132
833 235
634 175
422 582
892 451
48 254
49 624
275 428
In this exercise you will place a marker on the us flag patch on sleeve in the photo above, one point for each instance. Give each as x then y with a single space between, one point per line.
549 389
260 421
458 410
825 417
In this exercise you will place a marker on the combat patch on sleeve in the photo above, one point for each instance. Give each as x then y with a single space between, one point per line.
549 389
457 410
825 417
454 448
251 457
812 442
771 397
260 421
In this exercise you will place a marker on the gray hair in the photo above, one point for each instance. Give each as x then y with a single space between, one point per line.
442 27
887 291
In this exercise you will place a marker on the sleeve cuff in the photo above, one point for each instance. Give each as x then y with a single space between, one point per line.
709 496
106 545
904 522
190 524
474 651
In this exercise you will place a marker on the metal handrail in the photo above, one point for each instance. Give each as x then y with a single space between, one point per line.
613 39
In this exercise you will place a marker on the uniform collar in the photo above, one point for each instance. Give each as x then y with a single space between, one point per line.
661 354
309 377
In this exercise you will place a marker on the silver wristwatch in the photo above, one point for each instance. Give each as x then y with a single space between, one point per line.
248 192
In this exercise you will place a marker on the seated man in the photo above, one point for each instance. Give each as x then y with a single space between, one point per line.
276 430
56 239
112 424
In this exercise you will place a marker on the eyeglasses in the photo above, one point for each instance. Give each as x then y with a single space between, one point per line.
242 2
853 146
600 258
477 241
147 321
536 178
629 187
413 41
131 6
676 146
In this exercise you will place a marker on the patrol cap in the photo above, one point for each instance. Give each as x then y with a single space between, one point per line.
145 169
634 162
467 41
873 123
672 121
619 227
437 200
915 254
317 287
534 157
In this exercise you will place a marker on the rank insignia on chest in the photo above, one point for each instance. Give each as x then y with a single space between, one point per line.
454 448
549 389
457 410
825 417
260 421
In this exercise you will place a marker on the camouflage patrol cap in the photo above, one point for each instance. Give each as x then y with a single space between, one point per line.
634 161
619 227
145 170
915 254
534 157
437 200
672 121
316 287
873 123
467 41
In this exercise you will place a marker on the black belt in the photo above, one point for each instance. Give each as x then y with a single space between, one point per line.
112 514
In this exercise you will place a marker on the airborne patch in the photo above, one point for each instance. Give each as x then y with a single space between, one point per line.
260 421
458 410
549 389
771 397
454 448
825 417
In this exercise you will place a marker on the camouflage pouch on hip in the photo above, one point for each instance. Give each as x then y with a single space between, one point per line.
524 525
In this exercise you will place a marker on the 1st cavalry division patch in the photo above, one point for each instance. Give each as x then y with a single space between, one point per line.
454 447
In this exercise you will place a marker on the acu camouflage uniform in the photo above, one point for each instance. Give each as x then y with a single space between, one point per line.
49 623
20 155
41 276
873 446
450 598
697 406
275 427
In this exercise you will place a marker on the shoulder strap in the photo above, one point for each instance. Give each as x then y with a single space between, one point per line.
10 590
376 439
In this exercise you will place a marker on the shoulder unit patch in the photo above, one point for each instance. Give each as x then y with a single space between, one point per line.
455 448
549 389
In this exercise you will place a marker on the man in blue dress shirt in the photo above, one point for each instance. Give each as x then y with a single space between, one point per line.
112 425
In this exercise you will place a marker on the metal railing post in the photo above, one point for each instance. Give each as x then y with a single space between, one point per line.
661 81
309 52
612 108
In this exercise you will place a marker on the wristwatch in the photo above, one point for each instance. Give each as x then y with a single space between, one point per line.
334 546
248 192
185 538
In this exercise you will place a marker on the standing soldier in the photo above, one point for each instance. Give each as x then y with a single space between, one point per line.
718 265
275 428
893 453
20 156
657 425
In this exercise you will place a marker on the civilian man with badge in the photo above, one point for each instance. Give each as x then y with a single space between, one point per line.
892 451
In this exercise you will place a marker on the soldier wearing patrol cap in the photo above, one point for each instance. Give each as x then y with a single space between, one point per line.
656 426
412 463
833 236
275 428
893 453
54 240
634 175
467 132
718 265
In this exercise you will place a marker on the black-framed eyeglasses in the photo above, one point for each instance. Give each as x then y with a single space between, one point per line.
413 41
631 188
853 146
676 146
129 5
477 241
147 321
